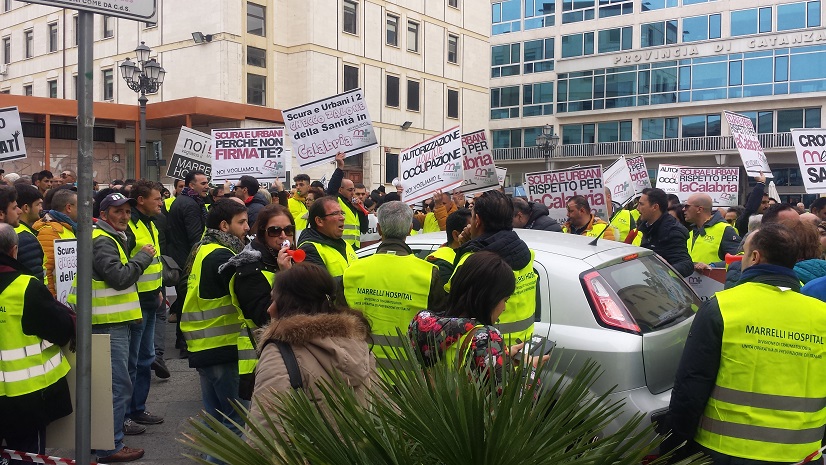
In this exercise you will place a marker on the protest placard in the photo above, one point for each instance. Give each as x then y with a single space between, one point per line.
748 145
721 184
255 152
479 170
192 153
810 145
12 145
321 129
65 267
639 173
668 179
432 165
554 188
618 180
708 282
500 175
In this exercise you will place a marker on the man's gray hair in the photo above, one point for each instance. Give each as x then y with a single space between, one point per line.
8 238
395 219
62 198
754 222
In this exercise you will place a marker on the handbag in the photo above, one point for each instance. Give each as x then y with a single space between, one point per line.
171 271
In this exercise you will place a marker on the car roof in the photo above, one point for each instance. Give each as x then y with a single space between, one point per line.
569 245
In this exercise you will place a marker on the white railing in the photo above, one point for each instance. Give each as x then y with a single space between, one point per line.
685 145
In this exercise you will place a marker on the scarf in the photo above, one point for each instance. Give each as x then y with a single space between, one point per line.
213 236
63 218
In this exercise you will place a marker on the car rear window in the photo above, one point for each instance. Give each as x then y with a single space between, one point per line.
655 295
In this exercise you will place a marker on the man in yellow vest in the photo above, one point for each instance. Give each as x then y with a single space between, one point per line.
322 241
445 256
584 223
751 385
30 203
33 326
115 306
389 299
710 237
167 203
356 221
491 229
296 203
210 322
142 230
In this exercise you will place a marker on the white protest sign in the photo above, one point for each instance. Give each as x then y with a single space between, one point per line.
810 145
321 129
65 267
479 170
500 175
255 152
192 153
372 235
748 145
618 180
554 188
12 145
667 179
721 184
431 165
639 173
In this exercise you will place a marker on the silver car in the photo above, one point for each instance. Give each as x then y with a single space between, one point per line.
617 304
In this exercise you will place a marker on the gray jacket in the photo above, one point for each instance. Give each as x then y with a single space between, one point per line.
106 264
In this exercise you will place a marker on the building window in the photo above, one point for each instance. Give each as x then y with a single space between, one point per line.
578 133
392 99
576 45
538 99
614 40
108 27
538 56
798 15
700 125
412 95
506 17
504 102
351 9
74 86
256 89
6 5
539 13
52 88
149 25
453 3
452 48
256 19
660 128
614 131
5 91
701 28
453 103
508 138
391 167
53 37
412 36
6 50
392 30
28 40
752 21
351 77
504 60
659 33
648 5
27 90
108 85
608 8
76 26
256 57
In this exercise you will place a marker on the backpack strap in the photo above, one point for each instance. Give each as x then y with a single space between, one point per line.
290 362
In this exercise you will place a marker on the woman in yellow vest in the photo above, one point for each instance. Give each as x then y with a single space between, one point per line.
462 332
251 285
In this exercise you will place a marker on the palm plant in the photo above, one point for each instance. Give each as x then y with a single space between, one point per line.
443 416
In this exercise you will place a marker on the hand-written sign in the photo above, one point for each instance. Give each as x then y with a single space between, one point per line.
479 170
192 153
554 188
12 145
431 165
255 152
751 151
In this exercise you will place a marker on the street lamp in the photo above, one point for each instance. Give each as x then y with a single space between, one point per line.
547 142
143 79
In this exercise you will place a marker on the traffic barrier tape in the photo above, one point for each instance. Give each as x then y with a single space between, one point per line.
36 458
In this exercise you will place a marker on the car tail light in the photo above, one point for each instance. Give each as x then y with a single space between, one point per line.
609 309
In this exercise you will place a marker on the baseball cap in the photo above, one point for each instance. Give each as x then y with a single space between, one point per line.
115 200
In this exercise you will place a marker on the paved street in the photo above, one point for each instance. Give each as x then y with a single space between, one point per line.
176 399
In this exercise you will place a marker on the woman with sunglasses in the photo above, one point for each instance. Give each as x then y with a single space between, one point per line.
252 282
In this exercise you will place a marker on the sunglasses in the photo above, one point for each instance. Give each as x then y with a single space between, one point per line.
275 231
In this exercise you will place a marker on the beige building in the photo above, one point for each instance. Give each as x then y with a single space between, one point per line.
423 67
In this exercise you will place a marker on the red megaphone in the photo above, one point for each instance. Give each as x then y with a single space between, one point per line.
733 258
298 255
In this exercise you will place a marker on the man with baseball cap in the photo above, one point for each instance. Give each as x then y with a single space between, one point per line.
115 306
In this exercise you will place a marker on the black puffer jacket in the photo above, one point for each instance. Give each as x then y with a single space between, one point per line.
506 244
255 205
668 238
185 226
540 220
30 252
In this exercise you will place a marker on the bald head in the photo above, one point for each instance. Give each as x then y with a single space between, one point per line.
701 200
810 217
347 189
698 209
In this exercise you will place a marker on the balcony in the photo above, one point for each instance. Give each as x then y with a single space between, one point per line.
713 144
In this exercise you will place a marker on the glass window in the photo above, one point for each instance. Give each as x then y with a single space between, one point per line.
789 119
578 134
52 88
505 60
529 136
453 3
694 126
757 71
28 40
538 56
76 23
412 36
659 33
452 48
6 5
798 15
391 170
614 40
813 14
350 16
765 22
256 89
614 131
744 22
392 30
452 103
709 75
578 45
648 5
412 95
539 13
108 27
6 50
506 17
533 95
812 117
577 10
392 99
351 77
504 102
508 138
256 57
701 28
27 90
256 19
53 37
108 85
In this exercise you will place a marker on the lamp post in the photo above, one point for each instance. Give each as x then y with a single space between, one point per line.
143 79
547 142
